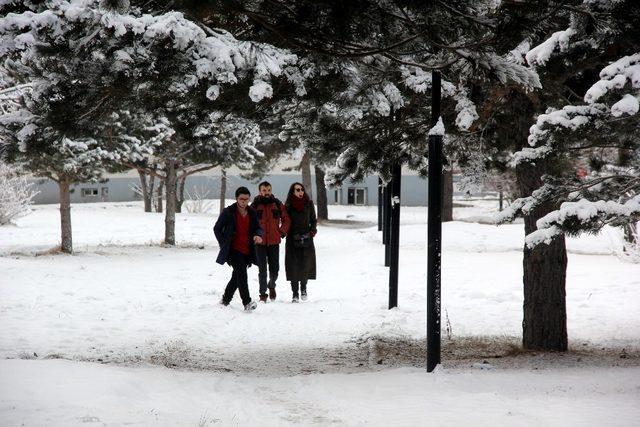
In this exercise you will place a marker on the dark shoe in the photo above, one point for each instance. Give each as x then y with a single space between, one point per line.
223 302
272 294
303 295
295 298
251 306
263 298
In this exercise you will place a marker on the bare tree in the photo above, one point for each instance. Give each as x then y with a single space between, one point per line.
223 189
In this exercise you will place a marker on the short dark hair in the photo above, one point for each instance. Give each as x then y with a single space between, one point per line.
242 190
264 184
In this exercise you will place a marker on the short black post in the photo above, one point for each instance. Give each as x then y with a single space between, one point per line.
380 204
434 231
395 236
386 231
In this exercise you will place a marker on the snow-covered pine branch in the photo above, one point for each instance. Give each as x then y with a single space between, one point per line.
346 165
506 70
420 81
619 81
540 55
580 130
525 205
217 58
573 217
614 78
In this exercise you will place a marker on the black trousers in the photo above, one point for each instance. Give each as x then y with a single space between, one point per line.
294 286
268 256
239 262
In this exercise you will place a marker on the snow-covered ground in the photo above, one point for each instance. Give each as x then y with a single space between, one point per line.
168 354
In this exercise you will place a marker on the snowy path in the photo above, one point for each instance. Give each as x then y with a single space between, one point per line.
64 393
127 303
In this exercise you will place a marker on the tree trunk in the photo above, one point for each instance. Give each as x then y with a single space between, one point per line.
305 167
152 182
447 194
159 196
223 189
544 325
66 244
170 215
631 232
180 194
321 205
545 312
146 196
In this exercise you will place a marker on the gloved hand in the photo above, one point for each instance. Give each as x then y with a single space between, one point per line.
313 233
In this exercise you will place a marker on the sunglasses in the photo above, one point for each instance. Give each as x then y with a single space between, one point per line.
299 190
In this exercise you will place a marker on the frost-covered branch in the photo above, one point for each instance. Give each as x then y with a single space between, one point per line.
16 194
615 77
573 217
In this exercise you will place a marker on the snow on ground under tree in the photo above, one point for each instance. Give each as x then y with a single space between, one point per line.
341 357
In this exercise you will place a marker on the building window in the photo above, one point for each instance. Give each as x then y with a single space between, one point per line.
89 192
357 196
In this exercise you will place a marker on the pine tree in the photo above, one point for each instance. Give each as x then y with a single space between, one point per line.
605 133
85 61
586 33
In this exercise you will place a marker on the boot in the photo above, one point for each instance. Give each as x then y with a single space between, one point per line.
272 294
263 298
294 290
251 306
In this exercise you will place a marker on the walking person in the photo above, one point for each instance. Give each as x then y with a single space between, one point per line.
300 253
238 231
274 220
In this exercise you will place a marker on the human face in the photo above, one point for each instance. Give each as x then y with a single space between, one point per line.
265 190
298 191
243 201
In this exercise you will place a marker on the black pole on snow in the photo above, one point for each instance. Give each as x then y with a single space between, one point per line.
380 204
386 236
434 232
394 244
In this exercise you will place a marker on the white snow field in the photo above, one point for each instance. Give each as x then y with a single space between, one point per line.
127 332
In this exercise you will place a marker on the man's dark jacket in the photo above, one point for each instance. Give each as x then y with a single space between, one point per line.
225 231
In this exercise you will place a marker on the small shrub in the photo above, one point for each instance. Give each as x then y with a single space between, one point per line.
16 194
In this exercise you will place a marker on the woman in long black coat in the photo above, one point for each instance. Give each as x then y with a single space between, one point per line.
300 253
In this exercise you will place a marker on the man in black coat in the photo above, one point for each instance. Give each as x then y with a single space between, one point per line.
237 231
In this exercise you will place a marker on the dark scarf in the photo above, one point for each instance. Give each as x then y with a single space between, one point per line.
266 200
299 203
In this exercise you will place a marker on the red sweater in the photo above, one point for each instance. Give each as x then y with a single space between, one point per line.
241 239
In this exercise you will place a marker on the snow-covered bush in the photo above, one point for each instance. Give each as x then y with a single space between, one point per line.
16 194
631 244
197 200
